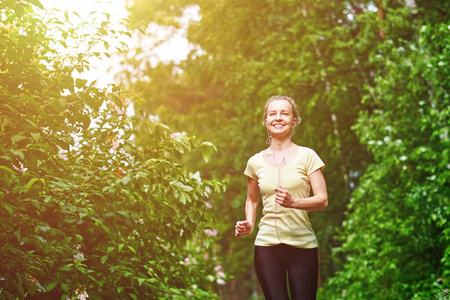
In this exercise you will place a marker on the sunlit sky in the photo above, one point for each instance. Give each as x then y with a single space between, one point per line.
174 49
84 7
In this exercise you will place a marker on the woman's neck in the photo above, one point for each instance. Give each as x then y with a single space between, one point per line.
280 145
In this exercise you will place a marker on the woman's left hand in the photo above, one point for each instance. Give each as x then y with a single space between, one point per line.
284 198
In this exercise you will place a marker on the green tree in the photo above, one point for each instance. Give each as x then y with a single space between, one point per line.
337 59
396 237
92 200
258 49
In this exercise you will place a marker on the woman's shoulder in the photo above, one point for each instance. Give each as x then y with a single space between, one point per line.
305 149
257 156
306 154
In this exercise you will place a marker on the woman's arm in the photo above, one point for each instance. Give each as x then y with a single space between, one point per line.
251 205
319 200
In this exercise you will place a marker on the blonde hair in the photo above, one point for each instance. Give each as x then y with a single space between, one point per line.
290 101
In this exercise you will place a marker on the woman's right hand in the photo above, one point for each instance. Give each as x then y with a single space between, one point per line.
243 228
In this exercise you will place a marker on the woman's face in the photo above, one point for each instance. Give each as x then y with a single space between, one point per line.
279 118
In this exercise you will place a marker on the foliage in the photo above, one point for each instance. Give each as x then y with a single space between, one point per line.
396 238
358 72
93 202
258 49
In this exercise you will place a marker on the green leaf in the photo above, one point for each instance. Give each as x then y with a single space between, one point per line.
207 149
36 136
105 228
36 3
19 10
51 286
30 184
65 287
182 197
59 105
19 154
93 279
104 258
80 83
7 169
9 209
17 138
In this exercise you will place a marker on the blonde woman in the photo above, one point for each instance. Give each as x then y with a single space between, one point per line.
286 249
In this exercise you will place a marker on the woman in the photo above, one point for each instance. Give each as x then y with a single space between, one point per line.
286 254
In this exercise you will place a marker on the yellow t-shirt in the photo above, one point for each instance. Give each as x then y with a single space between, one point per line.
279 224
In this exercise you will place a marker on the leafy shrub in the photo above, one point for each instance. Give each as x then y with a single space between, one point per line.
93 201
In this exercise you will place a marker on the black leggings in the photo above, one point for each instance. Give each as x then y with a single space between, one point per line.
273 263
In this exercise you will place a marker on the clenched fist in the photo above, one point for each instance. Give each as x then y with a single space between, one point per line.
243 228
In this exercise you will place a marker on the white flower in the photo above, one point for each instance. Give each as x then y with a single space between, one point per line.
175 135
154 118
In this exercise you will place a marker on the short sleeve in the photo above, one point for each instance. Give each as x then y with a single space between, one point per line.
313 162
250 169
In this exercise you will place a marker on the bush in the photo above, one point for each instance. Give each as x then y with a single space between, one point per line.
93 201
